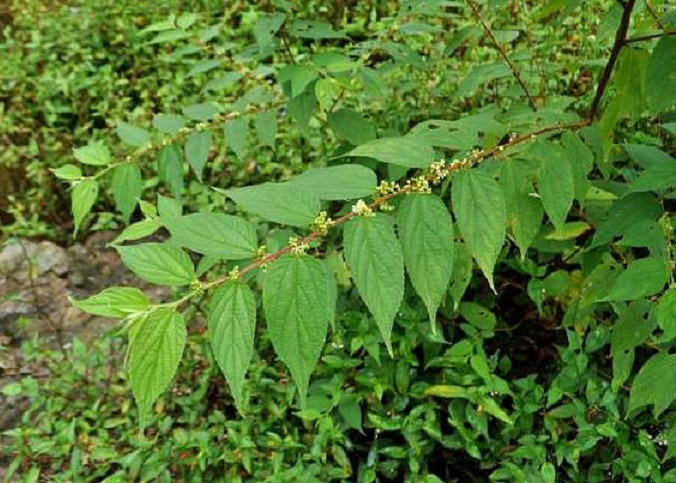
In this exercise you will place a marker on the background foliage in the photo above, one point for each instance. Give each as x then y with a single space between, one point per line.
550 358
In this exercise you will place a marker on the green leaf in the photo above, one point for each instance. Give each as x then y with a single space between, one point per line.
197 149
204 111
168 123
232 323
277 202
301 107
351 126
203 66
642 278
95 154
68 172
170 168
426 234
478 315
666 314
266 27
376 261
446 134
169 207
662 75
342 182
116 302
569 231
215 234
296 301
556 185
314 29
132 135
298 77
462 273
479 207
624 214
154 353
127 186
647 156
656 178
236 131
82 200
158 263
581 160
403 151
266 127
326 91
138 230
654 384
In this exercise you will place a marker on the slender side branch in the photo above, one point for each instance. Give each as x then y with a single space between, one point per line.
474 159
620 39
498 46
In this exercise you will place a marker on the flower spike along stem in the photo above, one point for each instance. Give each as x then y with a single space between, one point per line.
433 176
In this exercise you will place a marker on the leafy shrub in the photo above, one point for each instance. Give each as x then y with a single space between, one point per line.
499 304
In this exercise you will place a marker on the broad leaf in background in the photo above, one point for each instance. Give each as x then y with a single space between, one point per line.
296 303
197 149
95 154
155 349
170 168
666 314
350 126
168 123
556 184
343 182
407 151
376 261
642 278
581 159
426 234
661 79
236 132
215 234
116 302
524 210
479 206
127 186
624 214
132 135
266 127
232 323
83 198
463 266
633 327
158 263
279 202
654 384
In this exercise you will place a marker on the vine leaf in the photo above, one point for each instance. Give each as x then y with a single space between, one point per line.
408 151
556 185
232 322
296 303
155 349
376 261
197 148
479 206
279 202
342 182
127 186
132 135
654 384
643 277
116 302
351 126
426 234
82 200
158 263
170 168
96 154
214 234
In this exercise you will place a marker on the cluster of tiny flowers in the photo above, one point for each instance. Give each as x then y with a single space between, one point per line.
438 171
418 185
386 188
297 247
362 209
322 223
234 273
386 207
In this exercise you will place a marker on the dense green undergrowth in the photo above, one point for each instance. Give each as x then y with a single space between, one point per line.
514 159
